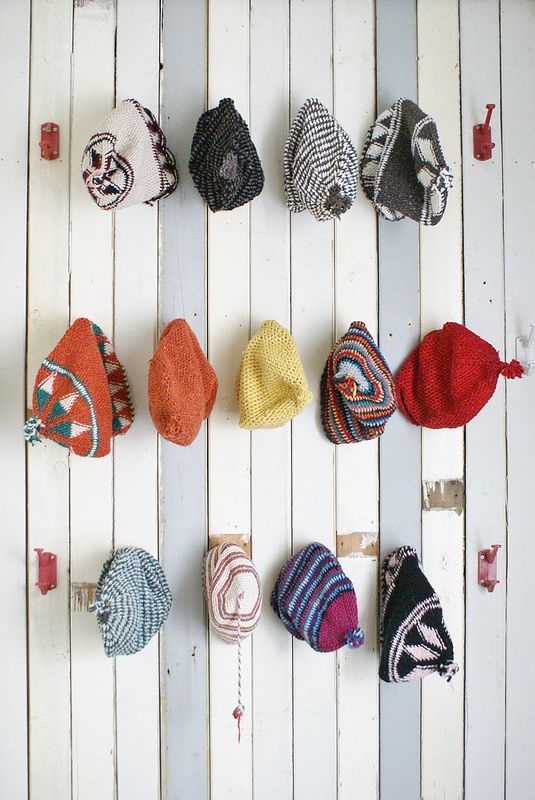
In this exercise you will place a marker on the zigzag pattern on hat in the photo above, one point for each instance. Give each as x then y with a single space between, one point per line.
414 639
321 165
404 172
357 389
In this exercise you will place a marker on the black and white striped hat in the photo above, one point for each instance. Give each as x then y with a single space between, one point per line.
321 165
404 172
224 164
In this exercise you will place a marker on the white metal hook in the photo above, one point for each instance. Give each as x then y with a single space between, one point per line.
525 351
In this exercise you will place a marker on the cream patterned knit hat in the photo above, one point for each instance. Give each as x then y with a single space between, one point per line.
272 386
127 161
233 594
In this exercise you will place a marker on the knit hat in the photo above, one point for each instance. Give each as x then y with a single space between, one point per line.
404 172
321 165
132 601
316 601
127 160
414 638
233 594
272 386
224 163
81 397
449 377
357 389
182 384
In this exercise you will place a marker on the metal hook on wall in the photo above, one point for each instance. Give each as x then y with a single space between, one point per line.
525 350
483 144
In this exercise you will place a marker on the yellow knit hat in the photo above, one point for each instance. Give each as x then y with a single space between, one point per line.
272 386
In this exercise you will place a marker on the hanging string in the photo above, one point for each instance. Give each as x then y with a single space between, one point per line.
240 708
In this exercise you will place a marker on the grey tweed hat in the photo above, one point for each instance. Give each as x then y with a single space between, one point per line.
404 172
321 165
224 164
132 601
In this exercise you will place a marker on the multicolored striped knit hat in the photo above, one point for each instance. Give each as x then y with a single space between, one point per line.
132 601
316 601
321 165
357 389
81 397
127 160
182 384
233 594
272 387
224 164
414 639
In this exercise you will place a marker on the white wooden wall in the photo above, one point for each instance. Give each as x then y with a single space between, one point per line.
77 726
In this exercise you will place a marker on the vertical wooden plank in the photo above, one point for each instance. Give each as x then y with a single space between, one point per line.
48 470
443 450
357 484
135 455
183 470
518 62
229 446
271 450
398 334
315 753
92 674
15 60
485 435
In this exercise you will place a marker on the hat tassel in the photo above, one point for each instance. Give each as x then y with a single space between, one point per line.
239 711
32 430
513 369
354 638
448 670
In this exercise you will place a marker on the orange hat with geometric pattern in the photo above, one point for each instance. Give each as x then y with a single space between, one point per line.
81 397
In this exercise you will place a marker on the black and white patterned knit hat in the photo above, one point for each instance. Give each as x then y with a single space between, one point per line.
224 164
321 165
127 161
403 169
414 639
132 601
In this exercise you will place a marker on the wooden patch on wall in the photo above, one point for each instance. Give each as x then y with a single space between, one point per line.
357 544
243 540
443 494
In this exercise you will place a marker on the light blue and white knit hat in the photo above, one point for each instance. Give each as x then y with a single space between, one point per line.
132 601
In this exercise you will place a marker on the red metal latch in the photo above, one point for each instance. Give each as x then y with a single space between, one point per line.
49 143
487 565
47 577
483 144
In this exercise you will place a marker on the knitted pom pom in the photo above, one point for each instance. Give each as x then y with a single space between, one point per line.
513 369
354 638
32 430
448 670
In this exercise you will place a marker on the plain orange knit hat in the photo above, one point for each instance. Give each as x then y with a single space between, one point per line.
182 384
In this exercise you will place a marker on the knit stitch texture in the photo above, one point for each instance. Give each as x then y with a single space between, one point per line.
224 164
182 385
404 172
272 387
127 160
132 601
316 601
414 638
321 165
81 397
357 389
449 377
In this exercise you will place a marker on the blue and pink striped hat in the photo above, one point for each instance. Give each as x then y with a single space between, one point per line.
315 600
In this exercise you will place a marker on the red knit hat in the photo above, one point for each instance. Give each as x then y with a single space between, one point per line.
182 384
449 377
81 397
